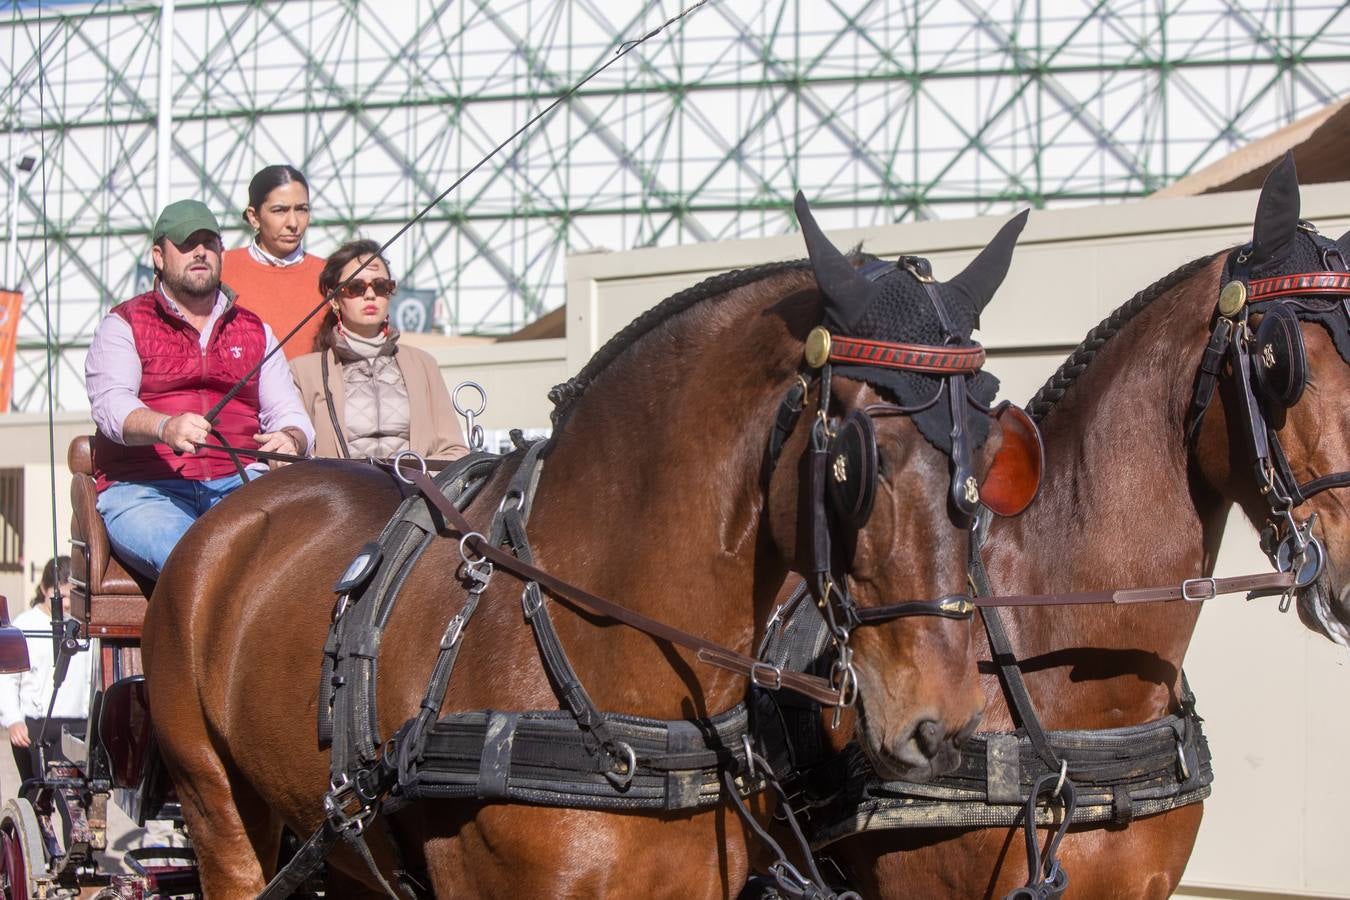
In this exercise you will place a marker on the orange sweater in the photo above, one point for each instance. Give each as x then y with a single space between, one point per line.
281 296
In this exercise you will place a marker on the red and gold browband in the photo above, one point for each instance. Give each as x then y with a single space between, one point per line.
822 347
1304 283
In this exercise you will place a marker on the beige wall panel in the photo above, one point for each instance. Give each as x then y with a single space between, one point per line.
517 376
1273 698
1071 269
24 443
38 519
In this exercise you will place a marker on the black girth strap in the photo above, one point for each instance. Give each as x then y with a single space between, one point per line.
546 758
1119 774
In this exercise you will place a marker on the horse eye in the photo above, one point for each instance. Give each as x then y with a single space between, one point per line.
884 464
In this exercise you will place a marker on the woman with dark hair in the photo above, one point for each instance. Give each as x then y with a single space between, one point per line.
24 697
366 394
273 275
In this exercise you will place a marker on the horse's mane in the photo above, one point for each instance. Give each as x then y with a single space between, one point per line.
565 395
1060 382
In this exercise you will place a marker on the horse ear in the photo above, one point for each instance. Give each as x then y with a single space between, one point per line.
847 294
1276 211
979 280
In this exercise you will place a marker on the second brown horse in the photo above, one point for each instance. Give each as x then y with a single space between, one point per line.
1128 502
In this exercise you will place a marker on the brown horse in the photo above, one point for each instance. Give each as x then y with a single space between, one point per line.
654 494
1128 501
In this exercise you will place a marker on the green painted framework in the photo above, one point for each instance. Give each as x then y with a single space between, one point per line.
880 110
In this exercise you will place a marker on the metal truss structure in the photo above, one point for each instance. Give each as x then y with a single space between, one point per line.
880 110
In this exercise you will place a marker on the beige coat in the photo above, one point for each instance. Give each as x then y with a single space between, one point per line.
434 427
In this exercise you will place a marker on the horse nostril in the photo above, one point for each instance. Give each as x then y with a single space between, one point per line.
968 729
928 737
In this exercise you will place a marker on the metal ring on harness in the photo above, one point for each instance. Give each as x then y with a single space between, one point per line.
511 495
844 679
475 431
622 779
465 556
482 398
1306 562
397 463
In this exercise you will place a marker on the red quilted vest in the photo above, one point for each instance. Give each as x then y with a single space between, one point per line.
177 376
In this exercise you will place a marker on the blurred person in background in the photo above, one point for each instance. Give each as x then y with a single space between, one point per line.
25 696
366 394
273 275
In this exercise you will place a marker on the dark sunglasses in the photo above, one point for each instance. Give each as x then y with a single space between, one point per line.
383 287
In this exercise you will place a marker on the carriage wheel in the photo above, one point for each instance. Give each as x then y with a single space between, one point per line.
21 850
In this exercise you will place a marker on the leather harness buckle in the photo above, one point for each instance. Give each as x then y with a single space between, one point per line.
347 808
1209 589
759 679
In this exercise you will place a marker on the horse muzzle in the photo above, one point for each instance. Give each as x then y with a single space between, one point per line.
922 753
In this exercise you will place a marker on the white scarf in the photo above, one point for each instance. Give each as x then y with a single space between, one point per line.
367 348
294 258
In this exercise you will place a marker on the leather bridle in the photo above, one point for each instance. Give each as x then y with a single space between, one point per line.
826 578
1232 352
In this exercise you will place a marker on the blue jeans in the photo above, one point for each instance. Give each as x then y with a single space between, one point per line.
145 519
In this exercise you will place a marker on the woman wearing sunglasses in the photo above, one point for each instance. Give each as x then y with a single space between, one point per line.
273 275
366 395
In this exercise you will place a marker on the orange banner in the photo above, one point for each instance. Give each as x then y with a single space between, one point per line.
10 301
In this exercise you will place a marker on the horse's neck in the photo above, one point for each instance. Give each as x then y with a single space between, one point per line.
1117 509
653 494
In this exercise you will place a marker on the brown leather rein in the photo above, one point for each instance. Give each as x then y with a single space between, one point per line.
759 673
1192 590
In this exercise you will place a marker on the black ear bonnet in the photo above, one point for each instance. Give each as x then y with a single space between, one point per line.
1305 250
889 302
902 312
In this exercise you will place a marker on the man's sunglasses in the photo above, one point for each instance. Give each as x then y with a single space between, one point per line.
383 287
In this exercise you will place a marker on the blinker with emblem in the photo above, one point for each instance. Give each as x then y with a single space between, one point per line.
1281 369
972 490
1232 298
818 347
852 485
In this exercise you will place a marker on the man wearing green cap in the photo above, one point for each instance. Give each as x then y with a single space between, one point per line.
156 365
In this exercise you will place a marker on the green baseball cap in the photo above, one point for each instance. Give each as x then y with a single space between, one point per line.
181 218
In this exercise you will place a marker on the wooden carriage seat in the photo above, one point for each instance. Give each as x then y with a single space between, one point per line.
106 597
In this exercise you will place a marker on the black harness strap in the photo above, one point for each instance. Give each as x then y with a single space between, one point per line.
565 679
1046 879
1211 367
1010 673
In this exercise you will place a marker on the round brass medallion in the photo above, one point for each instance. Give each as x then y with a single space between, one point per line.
1232 298
818 347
